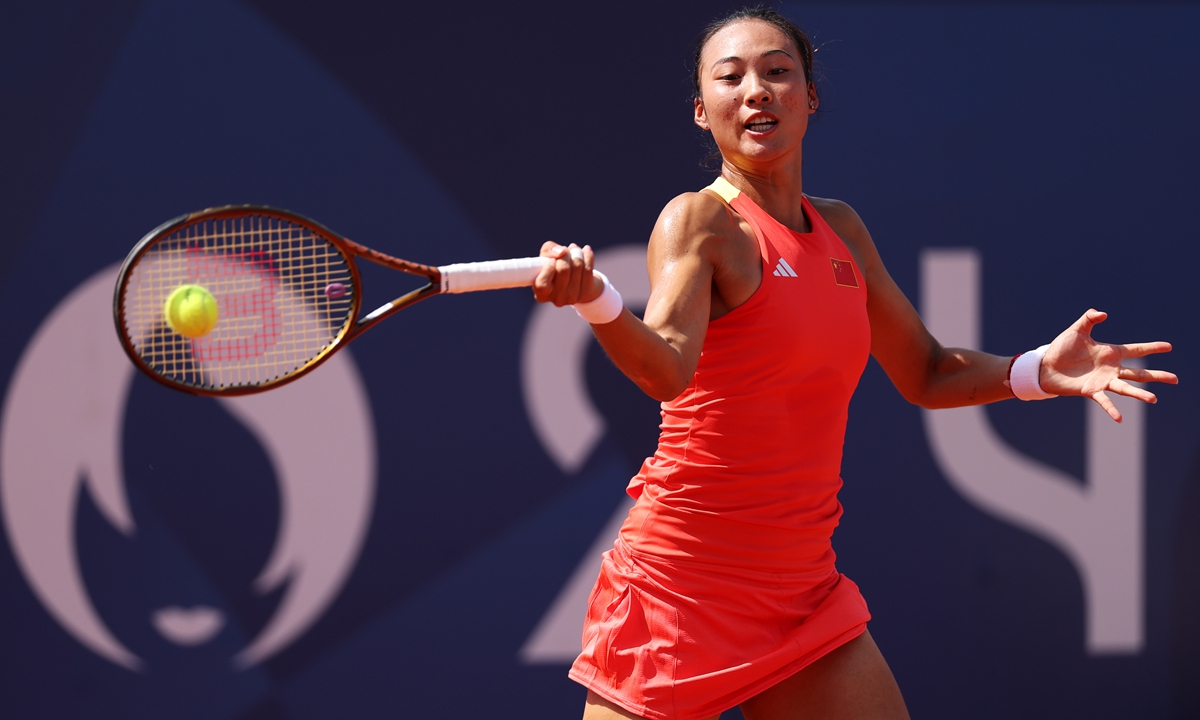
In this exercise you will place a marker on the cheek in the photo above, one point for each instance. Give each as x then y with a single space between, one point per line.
795 101
725 110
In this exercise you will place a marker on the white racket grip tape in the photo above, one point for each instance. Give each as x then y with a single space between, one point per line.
491 274
1025 373
605 308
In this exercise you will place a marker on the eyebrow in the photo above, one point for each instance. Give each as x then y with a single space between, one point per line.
769 52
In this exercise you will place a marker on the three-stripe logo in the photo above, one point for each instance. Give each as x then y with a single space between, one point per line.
783 269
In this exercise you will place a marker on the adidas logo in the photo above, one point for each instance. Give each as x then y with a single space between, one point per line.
783 269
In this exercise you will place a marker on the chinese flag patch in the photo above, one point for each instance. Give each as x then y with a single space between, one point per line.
843 273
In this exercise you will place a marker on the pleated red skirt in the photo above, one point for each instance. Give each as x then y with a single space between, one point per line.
685 640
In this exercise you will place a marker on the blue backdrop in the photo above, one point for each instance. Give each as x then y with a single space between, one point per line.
1039 158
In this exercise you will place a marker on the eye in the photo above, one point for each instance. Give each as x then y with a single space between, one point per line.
730 77
777 71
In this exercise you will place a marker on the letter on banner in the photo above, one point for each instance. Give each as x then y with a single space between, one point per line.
1097 526
553 356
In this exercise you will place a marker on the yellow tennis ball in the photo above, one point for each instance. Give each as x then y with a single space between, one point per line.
191 311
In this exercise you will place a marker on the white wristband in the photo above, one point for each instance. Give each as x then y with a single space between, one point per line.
1023 377
605 308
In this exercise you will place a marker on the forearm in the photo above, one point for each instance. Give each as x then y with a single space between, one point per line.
958 377
926 373
653 362
660 353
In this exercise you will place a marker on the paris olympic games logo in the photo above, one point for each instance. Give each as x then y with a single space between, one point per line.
61 435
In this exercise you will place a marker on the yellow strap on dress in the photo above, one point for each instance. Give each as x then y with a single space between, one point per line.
725 189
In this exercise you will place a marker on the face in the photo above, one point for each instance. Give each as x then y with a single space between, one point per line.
754 96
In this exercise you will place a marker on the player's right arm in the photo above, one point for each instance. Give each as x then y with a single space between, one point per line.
660 353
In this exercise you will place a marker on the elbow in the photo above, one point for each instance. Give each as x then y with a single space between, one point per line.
926 403
919 384
663 391
665 386
661 371
919 393
929 397
919 398
664 395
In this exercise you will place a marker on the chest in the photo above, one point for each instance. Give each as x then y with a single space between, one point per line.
817 297
807 311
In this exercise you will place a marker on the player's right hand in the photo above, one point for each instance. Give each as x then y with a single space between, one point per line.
569 279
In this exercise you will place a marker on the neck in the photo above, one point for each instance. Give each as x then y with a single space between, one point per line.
776 188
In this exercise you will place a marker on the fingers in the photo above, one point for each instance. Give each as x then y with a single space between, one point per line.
1141 375
562 276
592 286
568 278
543 284
1132 350
1108 406
1103 358
589 258
1123 388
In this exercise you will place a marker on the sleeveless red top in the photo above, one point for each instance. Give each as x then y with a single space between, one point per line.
722 582
748 464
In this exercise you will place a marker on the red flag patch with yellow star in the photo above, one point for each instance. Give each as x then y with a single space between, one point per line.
843 273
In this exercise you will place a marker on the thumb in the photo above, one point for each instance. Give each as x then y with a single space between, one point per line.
1089 320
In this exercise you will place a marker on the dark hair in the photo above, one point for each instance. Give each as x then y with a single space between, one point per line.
771 17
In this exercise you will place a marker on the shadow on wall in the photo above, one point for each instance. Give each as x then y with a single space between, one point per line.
1186 655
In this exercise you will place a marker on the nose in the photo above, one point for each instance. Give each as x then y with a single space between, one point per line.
756 92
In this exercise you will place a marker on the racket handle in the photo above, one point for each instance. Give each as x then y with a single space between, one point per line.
491 274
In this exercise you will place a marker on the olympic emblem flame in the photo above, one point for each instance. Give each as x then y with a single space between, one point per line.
61 430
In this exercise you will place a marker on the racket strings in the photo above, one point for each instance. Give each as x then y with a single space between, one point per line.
283 292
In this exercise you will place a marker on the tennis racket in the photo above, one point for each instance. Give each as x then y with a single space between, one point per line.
287 295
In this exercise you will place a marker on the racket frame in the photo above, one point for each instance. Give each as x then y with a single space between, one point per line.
348 248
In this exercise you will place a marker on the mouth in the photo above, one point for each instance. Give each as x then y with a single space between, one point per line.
188 626
761 124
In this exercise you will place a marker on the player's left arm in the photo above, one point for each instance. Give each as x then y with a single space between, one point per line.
933 376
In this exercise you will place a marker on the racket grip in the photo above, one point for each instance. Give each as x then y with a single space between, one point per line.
491 274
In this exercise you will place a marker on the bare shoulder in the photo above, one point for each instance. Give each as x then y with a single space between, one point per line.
849 227
692 223
840 216
696 214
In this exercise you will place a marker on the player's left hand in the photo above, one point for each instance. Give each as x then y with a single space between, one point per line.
1075 364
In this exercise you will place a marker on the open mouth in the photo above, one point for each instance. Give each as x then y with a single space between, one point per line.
188 626
761 124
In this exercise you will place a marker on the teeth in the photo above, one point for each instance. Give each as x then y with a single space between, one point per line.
760 126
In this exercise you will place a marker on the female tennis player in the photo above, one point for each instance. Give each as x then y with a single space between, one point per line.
721 589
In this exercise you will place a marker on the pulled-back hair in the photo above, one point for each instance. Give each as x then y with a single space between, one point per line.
771 17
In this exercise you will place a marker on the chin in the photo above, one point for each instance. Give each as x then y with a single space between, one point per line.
762 152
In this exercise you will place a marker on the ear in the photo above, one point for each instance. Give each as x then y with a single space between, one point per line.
814 102
701 118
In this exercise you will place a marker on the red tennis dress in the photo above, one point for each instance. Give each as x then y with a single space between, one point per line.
722 581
